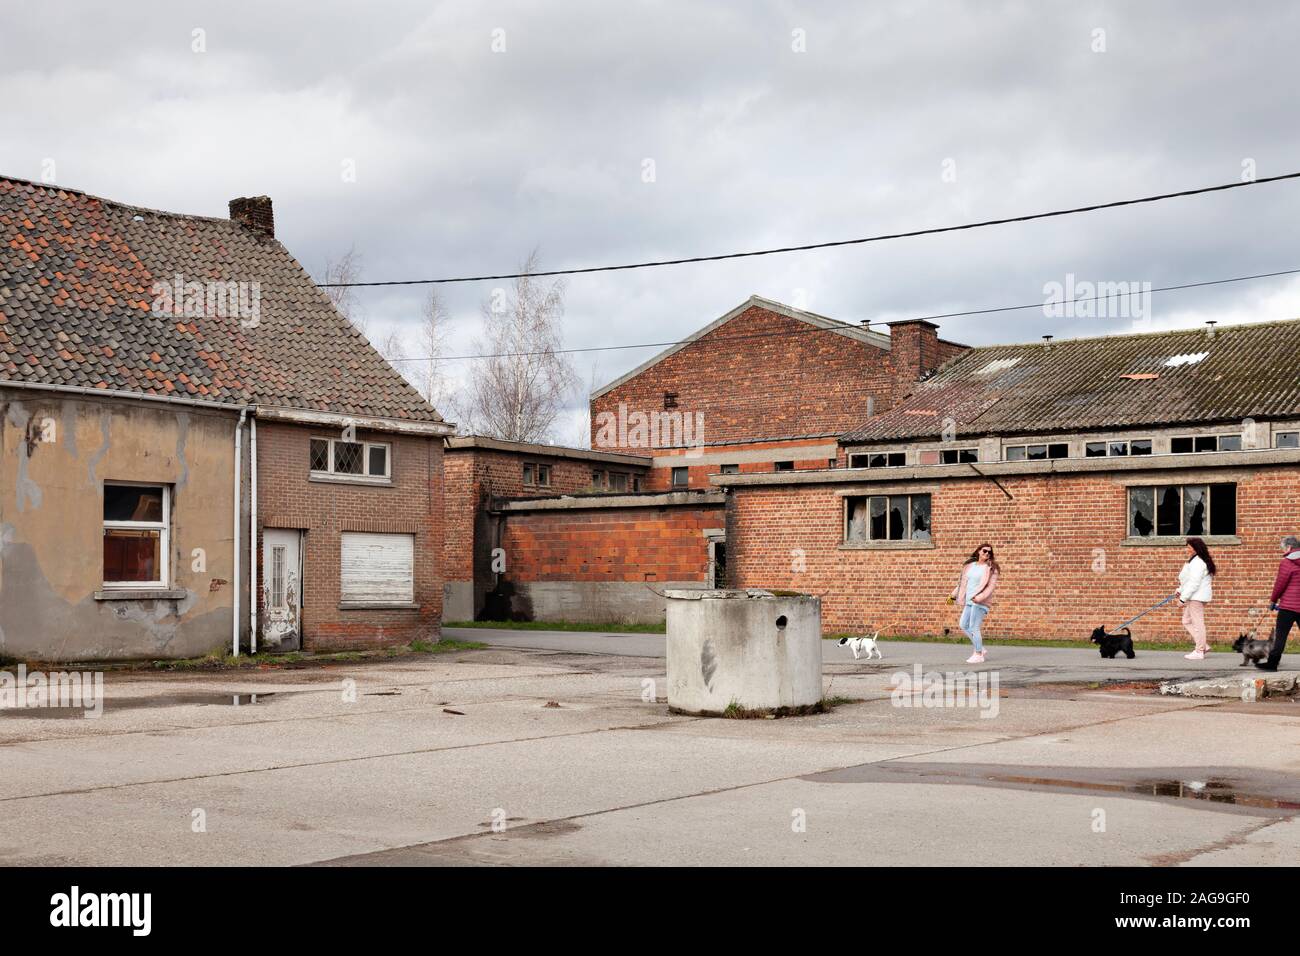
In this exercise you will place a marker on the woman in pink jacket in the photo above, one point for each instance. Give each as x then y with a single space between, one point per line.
974 595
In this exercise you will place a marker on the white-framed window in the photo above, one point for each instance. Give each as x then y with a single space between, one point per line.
1286 440
1190 444
886 518
879 459
377 568
1117 448
537 473
350 459
137 531
958 456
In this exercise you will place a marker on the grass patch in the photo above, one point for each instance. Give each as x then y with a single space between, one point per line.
1027 642
658 628
737 711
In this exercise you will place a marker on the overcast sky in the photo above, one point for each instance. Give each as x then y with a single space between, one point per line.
767 123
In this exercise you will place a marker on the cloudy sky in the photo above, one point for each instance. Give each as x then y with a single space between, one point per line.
479 131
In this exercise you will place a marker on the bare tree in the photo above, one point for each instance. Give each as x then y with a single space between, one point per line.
518 390
429 377
347 268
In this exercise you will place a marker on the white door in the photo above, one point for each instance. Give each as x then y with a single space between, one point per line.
281 589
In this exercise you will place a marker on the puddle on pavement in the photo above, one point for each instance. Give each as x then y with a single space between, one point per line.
1222 788
115 704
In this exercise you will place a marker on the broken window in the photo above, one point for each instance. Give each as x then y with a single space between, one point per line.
731 469
1175 511
1037 452
1117 449
784 466
681 477
136 521
879 459
955 456
1190 444
1286 440
886 518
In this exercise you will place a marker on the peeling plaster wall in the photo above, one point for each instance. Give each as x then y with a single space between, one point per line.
51 526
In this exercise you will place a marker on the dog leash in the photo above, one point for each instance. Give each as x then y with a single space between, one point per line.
1143 614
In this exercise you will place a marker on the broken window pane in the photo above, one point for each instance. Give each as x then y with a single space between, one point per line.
1207 443
1061 450
920 518
897 517
1168 510
1223 509
131 555
1036 452
1016 453
320 454
879 523
1180 446
897 459
133 503
1287 440
347 458
1142 512
1229 443
1095 449
877 461
1141 446
857 519
1194 502
1119 448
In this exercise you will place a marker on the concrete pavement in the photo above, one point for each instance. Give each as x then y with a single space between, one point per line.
1016 665
535 756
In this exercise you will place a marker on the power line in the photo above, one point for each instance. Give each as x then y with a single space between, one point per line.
825 245
846 325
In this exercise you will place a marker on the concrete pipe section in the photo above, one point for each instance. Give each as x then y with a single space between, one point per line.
742 653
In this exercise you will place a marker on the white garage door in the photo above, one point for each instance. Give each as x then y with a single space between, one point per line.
378 568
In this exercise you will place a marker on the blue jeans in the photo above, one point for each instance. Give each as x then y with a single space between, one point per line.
972 619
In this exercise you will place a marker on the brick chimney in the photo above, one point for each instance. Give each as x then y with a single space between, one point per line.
914 350
255 213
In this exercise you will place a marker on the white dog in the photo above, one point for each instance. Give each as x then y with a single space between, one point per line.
858 645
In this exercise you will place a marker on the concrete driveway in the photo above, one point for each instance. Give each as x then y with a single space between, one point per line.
1016 665
531 756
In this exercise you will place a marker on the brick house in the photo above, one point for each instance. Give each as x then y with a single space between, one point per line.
764 387
546 532
187 420
1085 462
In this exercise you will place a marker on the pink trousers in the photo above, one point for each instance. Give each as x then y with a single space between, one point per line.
1194 621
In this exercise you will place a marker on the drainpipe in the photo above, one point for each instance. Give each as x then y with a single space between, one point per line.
252 535
239 429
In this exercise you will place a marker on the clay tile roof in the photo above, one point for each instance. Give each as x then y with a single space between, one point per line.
77 291
1116 381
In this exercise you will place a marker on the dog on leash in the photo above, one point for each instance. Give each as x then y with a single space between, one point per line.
1252 648
861 645
1110 645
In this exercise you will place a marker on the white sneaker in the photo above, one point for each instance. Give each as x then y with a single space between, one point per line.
1194 656
976 658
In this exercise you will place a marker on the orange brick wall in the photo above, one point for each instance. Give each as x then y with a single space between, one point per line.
323 510
1046 541
660 478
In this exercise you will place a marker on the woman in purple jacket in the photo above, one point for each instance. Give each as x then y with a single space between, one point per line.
1285 599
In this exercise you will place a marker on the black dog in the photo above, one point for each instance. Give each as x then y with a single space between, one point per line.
1252 649
1112 644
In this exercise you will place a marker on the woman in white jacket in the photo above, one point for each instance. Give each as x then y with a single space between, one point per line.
1195 590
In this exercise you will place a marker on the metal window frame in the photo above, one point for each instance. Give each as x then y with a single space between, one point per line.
1182 509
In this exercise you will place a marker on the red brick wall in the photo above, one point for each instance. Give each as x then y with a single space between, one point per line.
610 544
473 473
411 504
806 383
1045 540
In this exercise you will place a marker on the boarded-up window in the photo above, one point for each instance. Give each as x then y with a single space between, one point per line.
378 568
